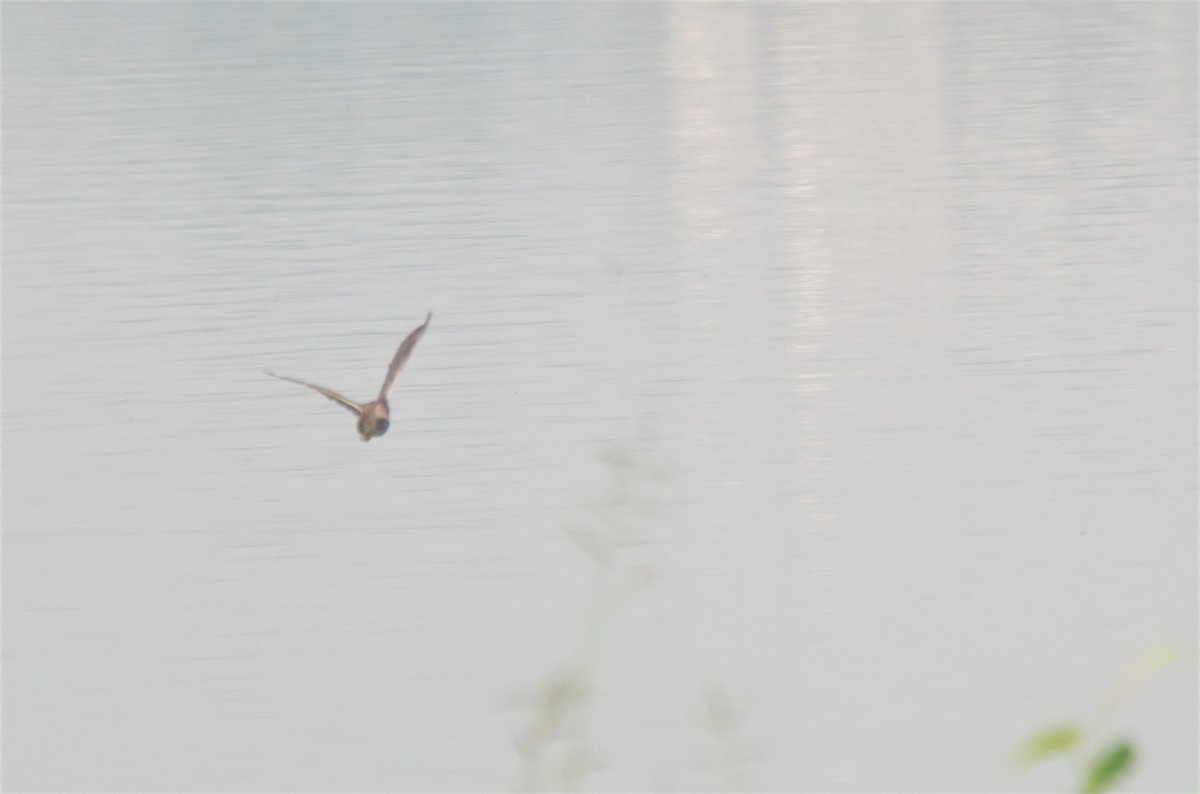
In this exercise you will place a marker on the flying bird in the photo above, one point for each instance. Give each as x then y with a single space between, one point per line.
373 417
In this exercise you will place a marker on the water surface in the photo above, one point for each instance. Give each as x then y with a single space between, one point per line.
870 329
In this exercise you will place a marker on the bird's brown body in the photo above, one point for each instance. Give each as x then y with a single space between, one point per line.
374 417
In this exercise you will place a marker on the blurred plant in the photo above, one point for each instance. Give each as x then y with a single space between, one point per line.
1103 761
555 750
729 754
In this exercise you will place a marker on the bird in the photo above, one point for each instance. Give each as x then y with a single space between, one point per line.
374 417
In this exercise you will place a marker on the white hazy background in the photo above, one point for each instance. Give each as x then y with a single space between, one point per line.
885 315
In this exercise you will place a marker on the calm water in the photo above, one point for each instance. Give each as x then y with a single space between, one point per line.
862 336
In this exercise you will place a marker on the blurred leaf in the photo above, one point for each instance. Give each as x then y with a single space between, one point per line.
590 543
1110 766
1059 740
722 716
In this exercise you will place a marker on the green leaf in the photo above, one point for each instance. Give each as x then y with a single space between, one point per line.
1107 768
1058 740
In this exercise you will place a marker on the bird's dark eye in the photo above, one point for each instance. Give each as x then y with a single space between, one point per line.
381 427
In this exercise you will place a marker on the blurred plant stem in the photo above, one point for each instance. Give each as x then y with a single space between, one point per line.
555 750
724 726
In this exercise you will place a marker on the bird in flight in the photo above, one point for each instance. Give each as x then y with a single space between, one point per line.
373 417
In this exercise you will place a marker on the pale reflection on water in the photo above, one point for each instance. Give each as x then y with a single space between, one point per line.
897 302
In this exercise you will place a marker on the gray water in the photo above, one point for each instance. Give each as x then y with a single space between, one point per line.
861 338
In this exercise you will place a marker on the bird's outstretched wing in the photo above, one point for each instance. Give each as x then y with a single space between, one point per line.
346 403
406 349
